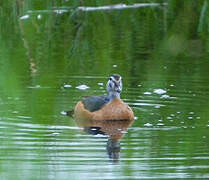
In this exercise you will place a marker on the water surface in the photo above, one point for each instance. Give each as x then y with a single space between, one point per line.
51 59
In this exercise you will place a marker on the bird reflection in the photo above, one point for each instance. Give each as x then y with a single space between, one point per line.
114 129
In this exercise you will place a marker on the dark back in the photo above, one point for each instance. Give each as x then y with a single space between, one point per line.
94 103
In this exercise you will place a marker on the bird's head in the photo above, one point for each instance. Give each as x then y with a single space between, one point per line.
114 86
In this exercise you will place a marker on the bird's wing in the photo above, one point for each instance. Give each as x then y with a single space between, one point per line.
94 103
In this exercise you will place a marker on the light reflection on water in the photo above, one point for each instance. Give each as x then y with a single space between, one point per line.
163 142
52 57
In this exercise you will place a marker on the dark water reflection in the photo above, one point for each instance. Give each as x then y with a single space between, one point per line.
50 59
113 129
164 141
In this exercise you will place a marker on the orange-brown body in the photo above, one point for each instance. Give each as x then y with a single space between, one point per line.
115 110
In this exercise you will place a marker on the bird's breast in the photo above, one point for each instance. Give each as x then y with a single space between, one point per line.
114 110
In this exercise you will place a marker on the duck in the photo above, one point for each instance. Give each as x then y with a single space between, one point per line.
105 108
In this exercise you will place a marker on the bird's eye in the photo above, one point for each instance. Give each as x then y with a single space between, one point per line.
110 79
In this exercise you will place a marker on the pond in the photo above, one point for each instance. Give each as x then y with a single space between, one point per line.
53 53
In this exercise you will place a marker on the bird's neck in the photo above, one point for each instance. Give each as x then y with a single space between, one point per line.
113 95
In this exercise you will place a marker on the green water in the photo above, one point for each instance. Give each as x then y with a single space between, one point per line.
49 49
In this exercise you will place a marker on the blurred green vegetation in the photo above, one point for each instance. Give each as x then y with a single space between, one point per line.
44 43
66 39
90 43
43 39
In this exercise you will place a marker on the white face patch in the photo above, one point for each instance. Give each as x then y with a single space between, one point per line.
116 77
114 84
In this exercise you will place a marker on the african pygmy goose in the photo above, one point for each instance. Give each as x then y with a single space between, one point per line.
109 107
